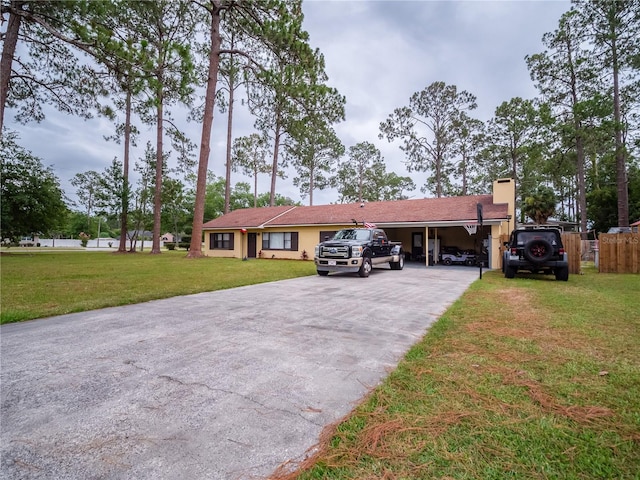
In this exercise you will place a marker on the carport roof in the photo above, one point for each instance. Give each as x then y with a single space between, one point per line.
446 210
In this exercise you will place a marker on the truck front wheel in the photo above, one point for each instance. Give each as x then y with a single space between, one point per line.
365 268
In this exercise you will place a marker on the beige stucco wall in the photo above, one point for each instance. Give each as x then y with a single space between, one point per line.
308 238
504 191
219 253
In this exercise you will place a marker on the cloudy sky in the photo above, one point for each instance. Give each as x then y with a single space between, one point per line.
377 53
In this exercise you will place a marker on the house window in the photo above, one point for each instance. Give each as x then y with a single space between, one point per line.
280 241
221 241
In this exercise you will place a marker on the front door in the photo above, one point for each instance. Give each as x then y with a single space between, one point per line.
251 245
417 246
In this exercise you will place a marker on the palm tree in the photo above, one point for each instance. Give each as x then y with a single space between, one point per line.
540 205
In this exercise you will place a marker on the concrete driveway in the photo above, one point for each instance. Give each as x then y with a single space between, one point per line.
221 385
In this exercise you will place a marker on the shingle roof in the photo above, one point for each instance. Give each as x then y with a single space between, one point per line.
446 209
247 217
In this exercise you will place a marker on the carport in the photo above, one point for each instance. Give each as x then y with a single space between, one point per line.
464 235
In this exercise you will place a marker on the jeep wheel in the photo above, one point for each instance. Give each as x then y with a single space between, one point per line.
399 265
470 262
562 273
538 251
447 261
323 273
509 272
365 268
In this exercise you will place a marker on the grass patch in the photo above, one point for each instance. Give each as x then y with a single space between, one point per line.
35 285
524 378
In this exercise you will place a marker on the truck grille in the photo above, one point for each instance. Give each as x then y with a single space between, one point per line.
334 252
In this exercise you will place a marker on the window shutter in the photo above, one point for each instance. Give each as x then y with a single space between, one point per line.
294 241
231 243
211 241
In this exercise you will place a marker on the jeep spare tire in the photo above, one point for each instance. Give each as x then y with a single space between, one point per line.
538 250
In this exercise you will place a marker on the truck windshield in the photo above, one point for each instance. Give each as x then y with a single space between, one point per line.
353 234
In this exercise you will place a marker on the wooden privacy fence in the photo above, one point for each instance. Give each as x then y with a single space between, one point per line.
573 246
619 253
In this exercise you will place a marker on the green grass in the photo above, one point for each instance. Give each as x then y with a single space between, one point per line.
526 379
35 285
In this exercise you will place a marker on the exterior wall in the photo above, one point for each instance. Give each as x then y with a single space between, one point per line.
308 238
402 235
504 191
223 253
496 250
458 237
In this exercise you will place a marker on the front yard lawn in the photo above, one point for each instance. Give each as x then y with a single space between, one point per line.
35 285
522 379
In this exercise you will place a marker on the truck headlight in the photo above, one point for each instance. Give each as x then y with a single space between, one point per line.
317 251
356 252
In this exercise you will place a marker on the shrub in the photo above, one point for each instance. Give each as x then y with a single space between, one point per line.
84 238
170 246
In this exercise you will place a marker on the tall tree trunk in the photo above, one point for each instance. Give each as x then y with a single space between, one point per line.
195 250
582 189
125 174
514 173
577 125
255 188
157 197
439 176
621 166
227 185
360 181
311 184
274 166
464 175
8 52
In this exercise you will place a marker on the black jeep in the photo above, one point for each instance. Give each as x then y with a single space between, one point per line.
537 250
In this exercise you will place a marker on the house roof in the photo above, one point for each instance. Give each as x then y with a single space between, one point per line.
426 210
247 217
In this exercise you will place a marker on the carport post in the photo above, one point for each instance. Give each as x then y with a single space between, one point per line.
242 231
479 212
425 245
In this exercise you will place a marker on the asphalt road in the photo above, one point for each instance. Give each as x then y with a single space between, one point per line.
220 385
